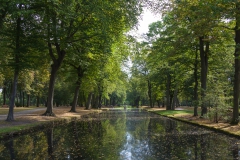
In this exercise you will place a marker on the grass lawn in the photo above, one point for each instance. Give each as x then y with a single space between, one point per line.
174 112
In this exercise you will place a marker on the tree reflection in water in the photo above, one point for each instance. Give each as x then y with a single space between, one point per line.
10 147
49 134
121 135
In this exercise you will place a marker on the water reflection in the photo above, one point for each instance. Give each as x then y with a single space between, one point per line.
10 147
121 135
126 153
49 136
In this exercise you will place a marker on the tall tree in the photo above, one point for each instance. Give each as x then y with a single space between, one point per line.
70 22
19 30
236 88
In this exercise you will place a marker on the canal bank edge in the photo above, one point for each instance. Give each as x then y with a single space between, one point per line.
32 128
33 122
195 123
65 116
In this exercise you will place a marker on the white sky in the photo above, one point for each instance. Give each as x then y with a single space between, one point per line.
147 18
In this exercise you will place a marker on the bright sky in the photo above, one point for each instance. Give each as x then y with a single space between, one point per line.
147 18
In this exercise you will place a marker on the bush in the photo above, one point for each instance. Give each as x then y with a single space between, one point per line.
220 113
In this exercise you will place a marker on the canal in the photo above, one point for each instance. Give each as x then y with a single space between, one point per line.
121 135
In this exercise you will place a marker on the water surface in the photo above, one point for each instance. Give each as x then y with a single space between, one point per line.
121 135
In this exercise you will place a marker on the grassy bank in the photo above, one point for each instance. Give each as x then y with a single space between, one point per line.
17 128
186 115
174 112
22 129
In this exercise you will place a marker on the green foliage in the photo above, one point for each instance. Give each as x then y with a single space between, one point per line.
63 92
217 98
171 53
92 34
89 33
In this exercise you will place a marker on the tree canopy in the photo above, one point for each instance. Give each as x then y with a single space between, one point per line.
79 48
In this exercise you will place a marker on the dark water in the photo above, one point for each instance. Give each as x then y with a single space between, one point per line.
119 135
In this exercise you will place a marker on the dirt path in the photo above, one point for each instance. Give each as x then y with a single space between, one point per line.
22 113
35 115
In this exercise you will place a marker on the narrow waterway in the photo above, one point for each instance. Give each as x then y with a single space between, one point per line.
122 135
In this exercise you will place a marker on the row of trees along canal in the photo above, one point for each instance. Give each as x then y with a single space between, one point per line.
196 43
64 44
80 45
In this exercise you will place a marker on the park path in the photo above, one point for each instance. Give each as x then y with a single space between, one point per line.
22 113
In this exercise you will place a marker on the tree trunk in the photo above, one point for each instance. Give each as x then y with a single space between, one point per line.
100 90
8 92
163 102
83 99
23 99
178 102
110 100
75 99
80 73
49 111
100 101
114 100
150 94
195 96
168 103
37 101
89 101
54 68
45 102
174 103
158 102
28 100
20 97
57 60
10 116
171 101
17 97
95 101
236 88
204 50
137 101
105 101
